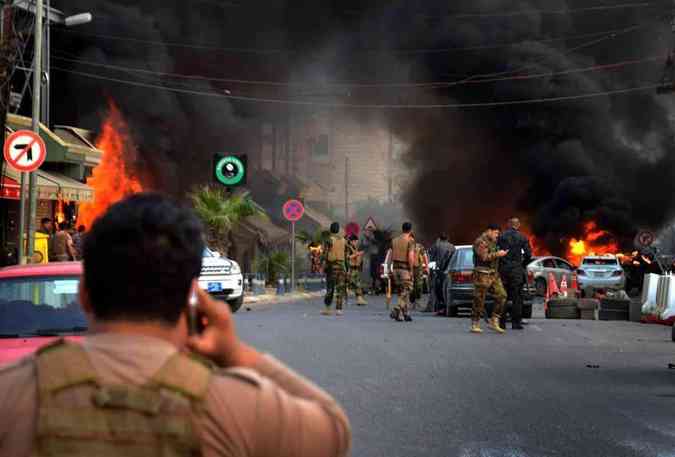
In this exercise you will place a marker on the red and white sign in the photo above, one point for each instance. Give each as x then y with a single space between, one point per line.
293 210
25 150
370 224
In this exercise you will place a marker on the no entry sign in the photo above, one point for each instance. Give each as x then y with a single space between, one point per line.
293 210
645 238
25 151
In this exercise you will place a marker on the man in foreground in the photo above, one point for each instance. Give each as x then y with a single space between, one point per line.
130 389
486 279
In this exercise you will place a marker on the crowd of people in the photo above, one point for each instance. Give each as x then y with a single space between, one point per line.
57 242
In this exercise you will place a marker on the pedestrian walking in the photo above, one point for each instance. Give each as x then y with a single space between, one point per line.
420 269
46 232
335 251
355 264
486 257
139 383
403 259
512 270
439 256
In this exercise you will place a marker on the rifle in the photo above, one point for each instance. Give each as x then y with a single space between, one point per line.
388 292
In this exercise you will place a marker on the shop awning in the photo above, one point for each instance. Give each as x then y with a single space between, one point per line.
55 186
10 188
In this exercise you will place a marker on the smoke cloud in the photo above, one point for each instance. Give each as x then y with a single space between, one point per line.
555 164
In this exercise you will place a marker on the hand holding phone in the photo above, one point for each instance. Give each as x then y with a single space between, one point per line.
218 339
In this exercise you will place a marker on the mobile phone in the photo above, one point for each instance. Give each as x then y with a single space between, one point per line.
195 321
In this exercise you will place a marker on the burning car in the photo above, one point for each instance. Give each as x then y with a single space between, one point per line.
601 272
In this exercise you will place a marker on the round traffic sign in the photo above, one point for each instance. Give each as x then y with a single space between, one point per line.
25 151
293 210
230 171
645 238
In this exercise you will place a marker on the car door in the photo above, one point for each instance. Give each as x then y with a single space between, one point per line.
549 266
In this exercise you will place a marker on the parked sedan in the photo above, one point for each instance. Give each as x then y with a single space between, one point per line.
459 284
601 272
539 269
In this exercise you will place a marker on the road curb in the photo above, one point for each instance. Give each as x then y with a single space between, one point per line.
271 298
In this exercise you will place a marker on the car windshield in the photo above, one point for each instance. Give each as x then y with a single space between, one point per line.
465 259
40 306
600 262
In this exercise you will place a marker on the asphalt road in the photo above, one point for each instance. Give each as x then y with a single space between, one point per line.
430 388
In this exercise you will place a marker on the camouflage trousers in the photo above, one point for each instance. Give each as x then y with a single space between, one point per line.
335 284
354 282
404 282
418 286
484 283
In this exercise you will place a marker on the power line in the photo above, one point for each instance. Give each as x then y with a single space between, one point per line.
432 84
367 106
210 47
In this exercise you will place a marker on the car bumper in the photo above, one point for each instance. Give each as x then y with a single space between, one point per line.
225 287
602 283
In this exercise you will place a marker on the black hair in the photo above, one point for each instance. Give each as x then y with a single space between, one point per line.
493 227
45 220
353 237
443 236
140 259
334 227
406 227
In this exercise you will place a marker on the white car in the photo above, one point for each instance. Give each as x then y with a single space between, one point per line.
601 272
222 278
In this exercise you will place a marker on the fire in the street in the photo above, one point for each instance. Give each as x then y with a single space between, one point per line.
111 179
595 241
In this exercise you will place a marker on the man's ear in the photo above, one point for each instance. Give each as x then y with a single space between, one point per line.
85 302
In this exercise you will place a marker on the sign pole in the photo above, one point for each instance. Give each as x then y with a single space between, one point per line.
292 256
22 219
37 88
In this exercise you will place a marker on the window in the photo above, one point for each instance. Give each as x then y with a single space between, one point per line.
34 305
548 263
464 259
591 261
564 265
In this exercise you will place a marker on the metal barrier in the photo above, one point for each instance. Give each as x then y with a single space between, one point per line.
658 296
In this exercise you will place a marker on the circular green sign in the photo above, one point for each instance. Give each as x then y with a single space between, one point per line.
230 171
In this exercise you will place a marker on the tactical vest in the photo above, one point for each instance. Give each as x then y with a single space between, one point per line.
79 415
484 265
399 250
336 253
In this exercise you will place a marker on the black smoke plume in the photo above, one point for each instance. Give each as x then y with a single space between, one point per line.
556 164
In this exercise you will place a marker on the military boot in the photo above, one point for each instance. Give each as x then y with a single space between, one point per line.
494 324
327 311
361 301
475 327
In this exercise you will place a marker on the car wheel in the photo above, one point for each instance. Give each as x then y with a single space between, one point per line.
236 303
540 287
673 333
527 312
453 311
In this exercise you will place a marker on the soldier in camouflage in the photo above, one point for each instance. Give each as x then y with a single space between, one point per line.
355 263
403 259
420 268
486 279
335 256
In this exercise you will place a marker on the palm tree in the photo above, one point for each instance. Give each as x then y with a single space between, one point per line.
221 213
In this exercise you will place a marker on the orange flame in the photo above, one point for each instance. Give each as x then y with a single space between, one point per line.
111 179
594 242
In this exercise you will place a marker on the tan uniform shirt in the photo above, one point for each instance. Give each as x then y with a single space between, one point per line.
281 414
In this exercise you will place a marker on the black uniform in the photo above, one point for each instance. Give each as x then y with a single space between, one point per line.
512 269
440 252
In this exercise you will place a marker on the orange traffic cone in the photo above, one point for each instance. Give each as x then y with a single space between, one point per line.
575 285
563 286
552 289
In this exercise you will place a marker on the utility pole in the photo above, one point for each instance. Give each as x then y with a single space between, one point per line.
390 167
35 121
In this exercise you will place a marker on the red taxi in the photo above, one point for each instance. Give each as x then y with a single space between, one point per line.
38 303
